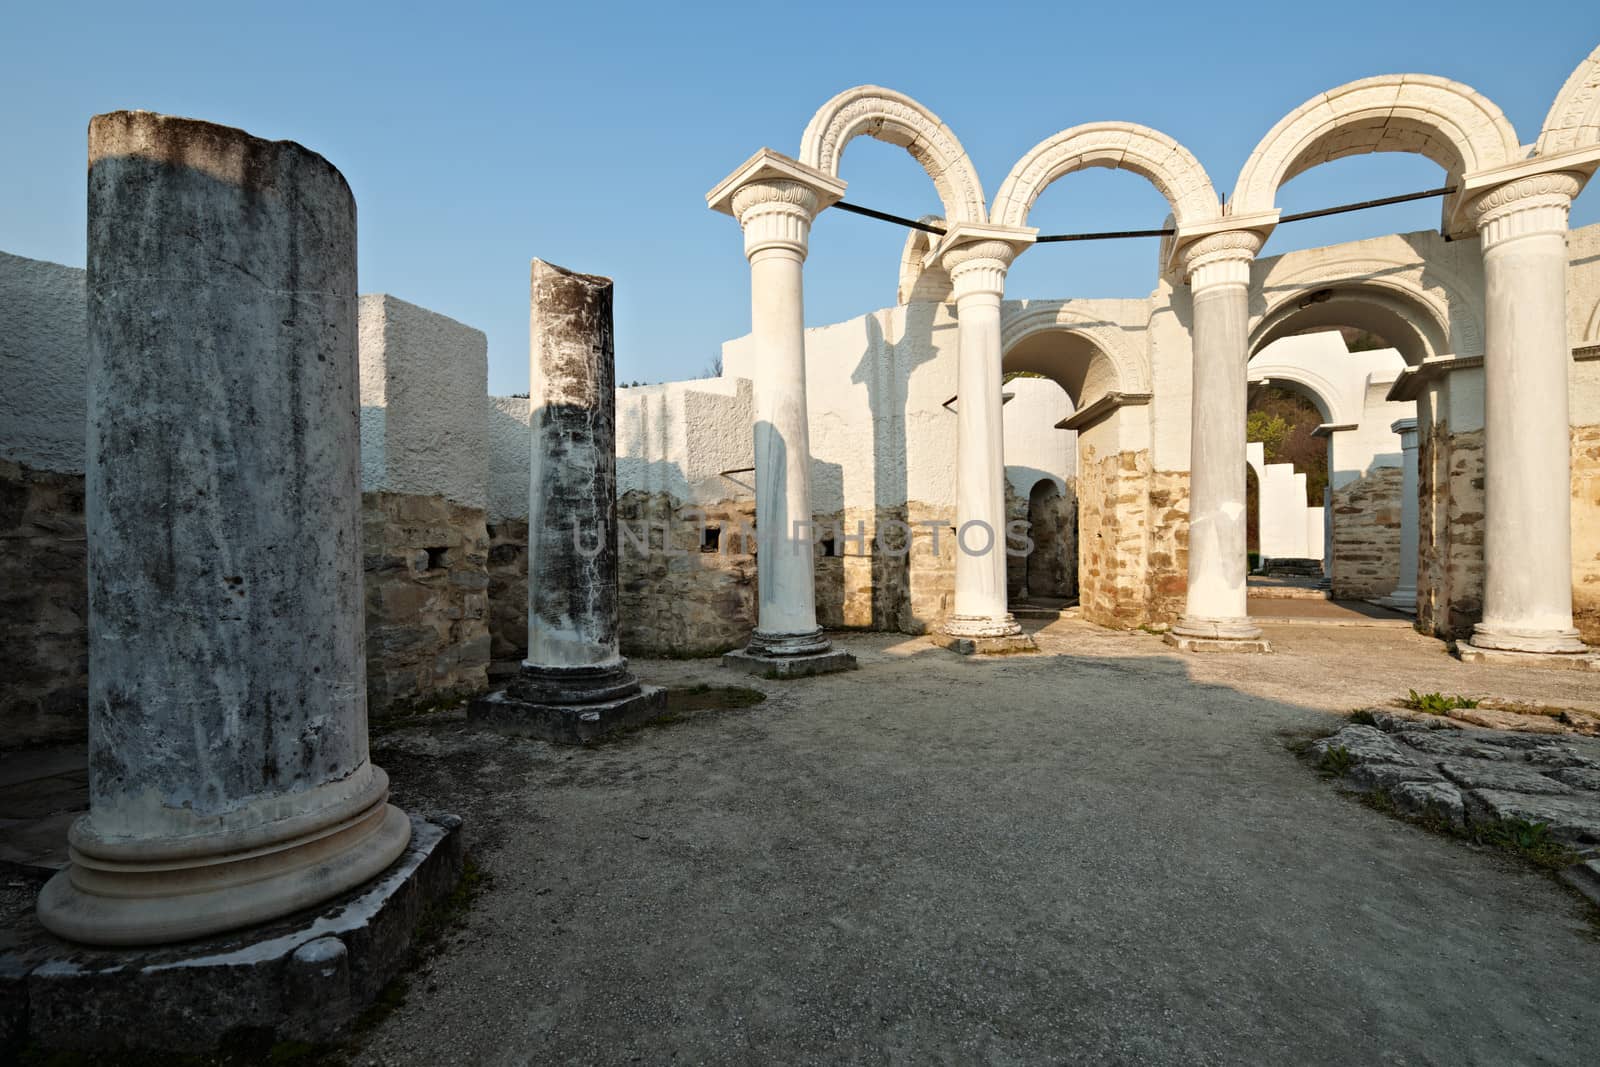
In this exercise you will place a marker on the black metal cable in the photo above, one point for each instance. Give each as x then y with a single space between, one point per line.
1112 235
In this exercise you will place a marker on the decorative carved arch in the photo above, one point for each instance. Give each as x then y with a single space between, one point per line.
1454 125
1436 306
1151 154
1053 316
919 284
1330 400
1574 118
895 118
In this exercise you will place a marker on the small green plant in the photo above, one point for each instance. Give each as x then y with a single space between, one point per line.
1436 703
1336 761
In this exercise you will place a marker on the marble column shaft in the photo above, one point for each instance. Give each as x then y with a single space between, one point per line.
776 217
1219 274
978 273
1527 595
229 775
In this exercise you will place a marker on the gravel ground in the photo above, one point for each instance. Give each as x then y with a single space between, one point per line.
1105 852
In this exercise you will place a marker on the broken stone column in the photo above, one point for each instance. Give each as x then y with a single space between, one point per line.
575 684
228 770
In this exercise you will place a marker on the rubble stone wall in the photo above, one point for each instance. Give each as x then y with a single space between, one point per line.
1366 534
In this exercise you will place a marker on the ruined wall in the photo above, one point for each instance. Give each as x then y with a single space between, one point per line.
1167 554
1366 534
424 474
1583 318
1450 521
687 575
44 600
1113 519
1586 532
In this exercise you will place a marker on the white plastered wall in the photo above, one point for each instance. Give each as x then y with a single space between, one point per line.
424 395
44 352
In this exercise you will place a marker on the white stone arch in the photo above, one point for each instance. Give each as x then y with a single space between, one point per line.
1592 333
919 283
1452 124
1151 154
1332 402
895 118
1130 374
1437 314
1574 118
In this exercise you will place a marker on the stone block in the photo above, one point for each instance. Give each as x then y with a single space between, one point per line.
566 724
304 977
789 666
1422 799
1008 645
1217 644
1473 774
1573 819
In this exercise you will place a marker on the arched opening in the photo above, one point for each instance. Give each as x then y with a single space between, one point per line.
1067 466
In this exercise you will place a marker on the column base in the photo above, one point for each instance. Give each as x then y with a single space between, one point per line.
569 705
1587 660
806 643
1402 600
170 895
1216 635
764 665
1007 645
1544 642
303 977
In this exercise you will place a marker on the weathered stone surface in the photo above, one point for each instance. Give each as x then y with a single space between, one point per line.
1475 774
427 600
1586 534
679 595
984 646
1364 744
1456 743
1450 517
44 606
1573 818
1424 798
188 997
1577 777
1495 719
1392 721
1372 774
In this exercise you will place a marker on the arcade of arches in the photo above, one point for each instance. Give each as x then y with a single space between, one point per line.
1481 512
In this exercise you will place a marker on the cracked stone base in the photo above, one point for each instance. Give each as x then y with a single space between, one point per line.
304 977
984 646
789 666
1571 661
566 724
1184 643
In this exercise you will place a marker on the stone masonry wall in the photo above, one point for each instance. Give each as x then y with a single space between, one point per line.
1450 518
1366 534
868 580
690 599
508 598
44 605
1167 561
427 590
1586 532
1113 518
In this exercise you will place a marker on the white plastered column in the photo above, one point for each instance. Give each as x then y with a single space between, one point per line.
775 200
1215 611
1404 597
1527 596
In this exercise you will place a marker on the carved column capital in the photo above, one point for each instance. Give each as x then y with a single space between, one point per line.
775 214
1221 259
979 267
1537 204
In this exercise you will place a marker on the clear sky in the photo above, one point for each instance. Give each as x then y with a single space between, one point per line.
477 136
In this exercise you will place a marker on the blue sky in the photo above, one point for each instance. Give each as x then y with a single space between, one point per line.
477 136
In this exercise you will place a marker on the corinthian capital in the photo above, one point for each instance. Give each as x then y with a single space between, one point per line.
775 198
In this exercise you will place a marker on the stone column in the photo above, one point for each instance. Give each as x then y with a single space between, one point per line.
1404 597
775 207
980 622
575 683
229 777
1216 615
1527 550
